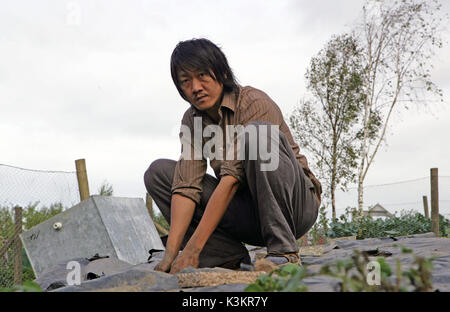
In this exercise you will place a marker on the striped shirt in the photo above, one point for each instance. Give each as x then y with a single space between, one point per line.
249 105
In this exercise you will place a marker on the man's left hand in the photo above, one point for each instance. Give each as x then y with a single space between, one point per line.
185 259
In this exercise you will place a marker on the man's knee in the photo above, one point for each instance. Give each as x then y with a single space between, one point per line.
155 172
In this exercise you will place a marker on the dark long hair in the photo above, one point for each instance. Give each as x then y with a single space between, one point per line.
202 55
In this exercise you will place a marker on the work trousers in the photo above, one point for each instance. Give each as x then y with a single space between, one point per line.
272 208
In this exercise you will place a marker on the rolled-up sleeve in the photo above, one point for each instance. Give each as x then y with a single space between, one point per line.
233 168
189 172
187 179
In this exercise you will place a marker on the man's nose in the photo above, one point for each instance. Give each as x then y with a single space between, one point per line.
196 86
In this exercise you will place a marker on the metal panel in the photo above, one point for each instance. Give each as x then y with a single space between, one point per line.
110 226
130 228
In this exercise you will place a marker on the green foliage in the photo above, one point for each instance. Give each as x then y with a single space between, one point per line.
398 39
33 215
324 125
159 218
407 223
28 286
106 189
6 273
350 224
27 274
285 279
6 223
319 231
353 274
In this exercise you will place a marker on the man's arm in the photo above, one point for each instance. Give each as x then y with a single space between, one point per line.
214 212
181 212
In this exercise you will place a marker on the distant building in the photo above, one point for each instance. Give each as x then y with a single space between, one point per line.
378 211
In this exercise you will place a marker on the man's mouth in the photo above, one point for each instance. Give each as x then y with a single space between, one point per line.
200 97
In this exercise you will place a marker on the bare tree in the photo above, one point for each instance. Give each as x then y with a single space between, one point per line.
399 38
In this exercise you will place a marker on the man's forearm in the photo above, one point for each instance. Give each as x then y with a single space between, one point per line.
182 210
215 209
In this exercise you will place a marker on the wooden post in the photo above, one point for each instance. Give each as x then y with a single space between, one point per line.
18 247
434 201
149 204
83 185
425 207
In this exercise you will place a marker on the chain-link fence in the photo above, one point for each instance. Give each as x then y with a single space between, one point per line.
389 209
24 187
397 197
28 197
10 247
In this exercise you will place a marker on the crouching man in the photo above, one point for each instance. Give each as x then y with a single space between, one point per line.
263 192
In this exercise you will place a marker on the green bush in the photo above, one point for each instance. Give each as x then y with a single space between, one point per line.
32 216
352 273
407 223
28 286
159 218
286 279
320 229
349 224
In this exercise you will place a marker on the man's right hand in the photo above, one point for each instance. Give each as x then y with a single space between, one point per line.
165 264
182 210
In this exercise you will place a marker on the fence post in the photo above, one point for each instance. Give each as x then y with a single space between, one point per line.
83 185
434 201
18 246
425 207
149 204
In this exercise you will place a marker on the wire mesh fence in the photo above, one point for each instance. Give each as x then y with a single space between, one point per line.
397 197
10 247
23 187
41 194
389 209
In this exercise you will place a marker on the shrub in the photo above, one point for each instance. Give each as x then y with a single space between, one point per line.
32 216
349 224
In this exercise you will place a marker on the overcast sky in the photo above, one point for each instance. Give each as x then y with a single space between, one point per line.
91 79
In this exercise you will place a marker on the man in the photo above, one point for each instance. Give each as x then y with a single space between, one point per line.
210 218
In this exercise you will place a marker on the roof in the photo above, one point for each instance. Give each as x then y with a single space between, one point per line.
378 211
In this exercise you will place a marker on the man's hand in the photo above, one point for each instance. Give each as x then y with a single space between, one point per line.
188 257
166 262
182 211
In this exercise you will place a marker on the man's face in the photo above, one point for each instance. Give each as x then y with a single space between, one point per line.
200 88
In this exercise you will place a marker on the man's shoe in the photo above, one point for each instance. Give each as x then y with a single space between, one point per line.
274 261
281 259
